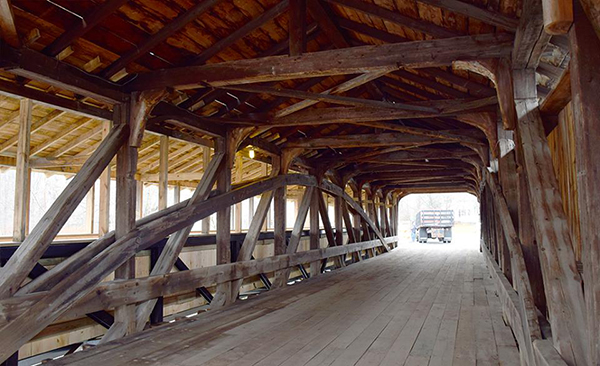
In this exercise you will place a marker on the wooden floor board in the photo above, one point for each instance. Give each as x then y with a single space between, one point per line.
421 304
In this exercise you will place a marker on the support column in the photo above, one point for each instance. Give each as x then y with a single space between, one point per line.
562 281
104 209
89 210
163 173
223 296
23 174
315 267
279 200
205 162
239 171
585 88
125 322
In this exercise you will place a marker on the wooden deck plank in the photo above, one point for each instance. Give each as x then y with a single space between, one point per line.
418 305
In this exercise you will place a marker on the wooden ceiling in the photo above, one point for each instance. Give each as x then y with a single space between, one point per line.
419 127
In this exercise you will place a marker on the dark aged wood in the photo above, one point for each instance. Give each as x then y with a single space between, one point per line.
7 24
9 88
239 33
34 65
556 101
297 27
89 21
164 111
355 115
371 9
152 41
586 118
337 62
381 139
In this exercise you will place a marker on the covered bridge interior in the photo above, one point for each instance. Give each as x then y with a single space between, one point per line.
252 120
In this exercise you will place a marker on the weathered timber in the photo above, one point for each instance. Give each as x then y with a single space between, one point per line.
562 282
335 62
32 248
164 111
281 277
297 27
152 41
530 39
55 101
7 24
70 290
23 172
529 321
585 88
395 17
343 87
363 140
37 66
251 238
176 241
358 114
89 21
558 16
324 97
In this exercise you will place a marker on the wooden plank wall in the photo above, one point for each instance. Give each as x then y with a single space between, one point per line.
562 147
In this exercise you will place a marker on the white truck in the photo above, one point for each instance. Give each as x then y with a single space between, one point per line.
434 224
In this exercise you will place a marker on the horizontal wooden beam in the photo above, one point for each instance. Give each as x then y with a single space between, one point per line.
355 60
356 115
164 111
37 66
117 293
328 98
363 140
40 96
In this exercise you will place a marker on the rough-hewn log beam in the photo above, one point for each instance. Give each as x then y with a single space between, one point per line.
37 66
335 62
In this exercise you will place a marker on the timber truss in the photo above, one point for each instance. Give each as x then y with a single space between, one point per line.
388 102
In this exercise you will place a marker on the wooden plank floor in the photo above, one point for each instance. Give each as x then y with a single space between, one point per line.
422 304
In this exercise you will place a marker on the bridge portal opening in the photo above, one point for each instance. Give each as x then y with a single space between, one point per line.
439 218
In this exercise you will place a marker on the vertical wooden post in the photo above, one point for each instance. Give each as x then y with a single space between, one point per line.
139 204
562 281
585 87
177 193
104 209
239 171
279 202
23 174
163 172
315 267
223 295
125 218
89 210
205 162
